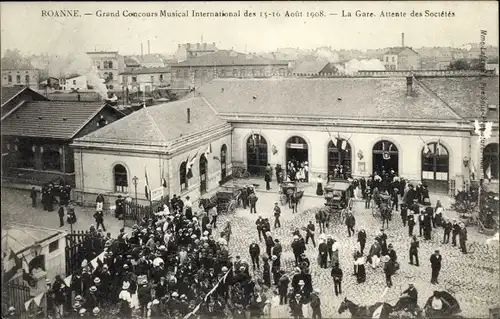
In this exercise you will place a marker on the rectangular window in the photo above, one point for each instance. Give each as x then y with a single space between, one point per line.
134 79
386 59
235 72
27 79
393 59
161 77
10 78
74 82
152 79
53 246
110 64
18 79
110 76
105 64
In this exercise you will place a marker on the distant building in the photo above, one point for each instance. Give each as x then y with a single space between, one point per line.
401 58
74 83
20 77
193 50
109 65
51 82
314 68
225 64
151 61
146 79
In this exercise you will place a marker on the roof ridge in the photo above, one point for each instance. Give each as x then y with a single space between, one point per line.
155 124
88 120
436 96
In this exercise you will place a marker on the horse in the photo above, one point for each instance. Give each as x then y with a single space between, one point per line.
207 203
380 310
321 219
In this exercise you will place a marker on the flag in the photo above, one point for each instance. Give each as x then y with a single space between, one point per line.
477 128
253 139
438 148
344 145
190 166
147 190
471 167
427 150
334 140
488 172
208 150
10 269
163 180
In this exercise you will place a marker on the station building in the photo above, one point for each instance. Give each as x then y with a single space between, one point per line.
420 127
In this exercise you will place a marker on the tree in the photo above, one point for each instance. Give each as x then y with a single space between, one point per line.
460 64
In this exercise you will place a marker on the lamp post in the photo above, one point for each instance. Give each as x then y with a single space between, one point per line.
134 180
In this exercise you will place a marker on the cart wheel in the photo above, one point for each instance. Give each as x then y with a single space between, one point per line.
246 174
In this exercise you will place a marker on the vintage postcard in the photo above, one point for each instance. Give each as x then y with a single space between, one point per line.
311 159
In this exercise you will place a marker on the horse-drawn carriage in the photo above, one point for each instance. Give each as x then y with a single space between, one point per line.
337 199
288 191
226 200
382 206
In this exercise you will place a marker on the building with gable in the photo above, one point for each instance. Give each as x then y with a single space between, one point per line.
401 58
169 141
36 137
422 128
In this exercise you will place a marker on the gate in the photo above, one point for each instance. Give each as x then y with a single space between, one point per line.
15 295
135 213
81 245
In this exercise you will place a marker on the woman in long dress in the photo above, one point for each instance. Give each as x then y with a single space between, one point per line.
361 271
319 186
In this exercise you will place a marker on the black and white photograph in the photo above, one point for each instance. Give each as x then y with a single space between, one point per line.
250 160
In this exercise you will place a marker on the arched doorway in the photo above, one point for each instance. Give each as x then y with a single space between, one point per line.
490 161
340 154
256 154
203 174
223 152
297 150
435 167
385 157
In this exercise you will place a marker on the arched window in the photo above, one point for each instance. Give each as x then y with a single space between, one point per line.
121 178
51 160
203 174
256 154
490 161
223 153
183 176
339 154
435 167
385 157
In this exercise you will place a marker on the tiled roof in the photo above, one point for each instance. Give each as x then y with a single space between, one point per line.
158 124
10 92
50 119
398 50
20 237
310 67
376 98
147 71
226 58
131 61
150 58
463 93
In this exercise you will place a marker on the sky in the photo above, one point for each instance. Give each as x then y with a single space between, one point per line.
24 28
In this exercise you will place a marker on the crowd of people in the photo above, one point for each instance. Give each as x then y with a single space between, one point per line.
174 265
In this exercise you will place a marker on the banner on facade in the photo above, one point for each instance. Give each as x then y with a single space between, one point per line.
157 193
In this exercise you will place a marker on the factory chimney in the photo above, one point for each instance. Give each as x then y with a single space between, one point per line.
188 115
149 48
142 50
403 40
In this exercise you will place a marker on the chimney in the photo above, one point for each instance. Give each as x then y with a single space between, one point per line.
409 85
188 115
149 48
142 50
403 40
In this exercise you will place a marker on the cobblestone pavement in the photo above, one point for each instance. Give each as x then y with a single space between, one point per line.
471 278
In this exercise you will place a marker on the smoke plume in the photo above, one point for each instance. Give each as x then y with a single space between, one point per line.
81 64
356 65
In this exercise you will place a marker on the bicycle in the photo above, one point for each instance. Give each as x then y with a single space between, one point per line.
240 172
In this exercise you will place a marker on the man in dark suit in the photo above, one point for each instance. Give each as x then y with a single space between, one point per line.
435 259
254 251
361 239
259 223
310 233
414 250
33 197
253 202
